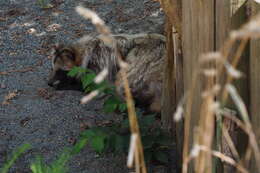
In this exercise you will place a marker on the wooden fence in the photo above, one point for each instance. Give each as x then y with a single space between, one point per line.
195 27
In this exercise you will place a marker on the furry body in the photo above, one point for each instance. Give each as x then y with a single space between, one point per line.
145 54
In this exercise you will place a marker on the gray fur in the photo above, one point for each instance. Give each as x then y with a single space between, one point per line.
145 54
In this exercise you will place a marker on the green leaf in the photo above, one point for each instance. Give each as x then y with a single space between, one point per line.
98 143
60 165
88 134
108 108
16 154
38 166
122 107
79 146
86 70
73 72
111 104
109 89
88 79
161 156
112 100
101 86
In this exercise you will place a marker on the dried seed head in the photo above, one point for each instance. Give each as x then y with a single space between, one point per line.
232 71
89 97
178 114
195 151
210 72
238 101
101 76
212 56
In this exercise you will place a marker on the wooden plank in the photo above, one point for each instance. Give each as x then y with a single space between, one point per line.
242 85
169 101
255 84
173 75
173 10
198 37
223 27
178 73
224 24
169 95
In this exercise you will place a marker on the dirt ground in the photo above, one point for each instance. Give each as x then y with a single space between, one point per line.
30 111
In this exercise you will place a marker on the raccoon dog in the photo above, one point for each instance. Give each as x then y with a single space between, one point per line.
145 54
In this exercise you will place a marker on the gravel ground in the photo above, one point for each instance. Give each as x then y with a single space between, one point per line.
30 111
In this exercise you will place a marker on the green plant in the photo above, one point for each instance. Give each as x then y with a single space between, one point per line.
16 154
115 137
38 166
87 76
59 165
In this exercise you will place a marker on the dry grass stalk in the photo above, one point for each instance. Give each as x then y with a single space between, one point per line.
101 76
230 142
131 153
89 97
235 61
139 156
108 39
178 115
248 31
206 126
223 158
239 123
247 157
195 152
243 111
185 154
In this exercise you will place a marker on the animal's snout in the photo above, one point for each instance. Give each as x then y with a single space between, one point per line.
60 81
53 83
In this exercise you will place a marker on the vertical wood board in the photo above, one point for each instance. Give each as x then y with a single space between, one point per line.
198 37
255 85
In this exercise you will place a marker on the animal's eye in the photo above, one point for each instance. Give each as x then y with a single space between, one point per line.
68 53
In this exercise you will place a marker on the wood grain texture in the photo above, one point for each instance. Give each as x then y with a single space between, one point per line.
223 27
169 90
173 10
173 74
255 85
224 24
198 37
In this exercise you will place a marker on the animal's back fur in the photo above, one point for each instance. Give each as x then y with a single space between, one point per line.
145 54
145 71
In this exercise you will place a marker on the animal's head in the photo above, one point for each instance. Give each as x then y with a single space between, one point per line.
89 52
63 60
